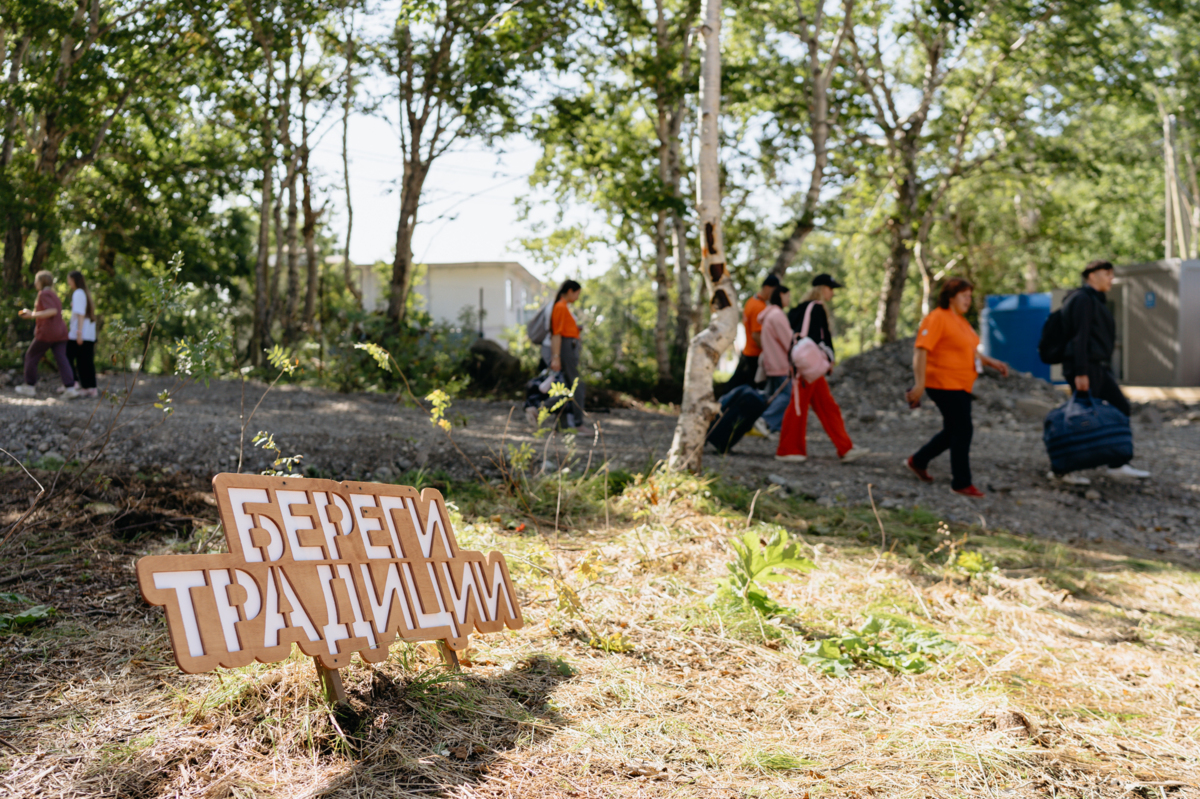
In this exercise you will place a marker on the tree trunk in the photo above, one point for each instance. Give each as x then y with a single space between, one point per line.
662 321
820 77
276 304
901 227
687 315
347 103
106 256
14 254
402 267
261 333
41 252
311 217
290 242
699 407
291 316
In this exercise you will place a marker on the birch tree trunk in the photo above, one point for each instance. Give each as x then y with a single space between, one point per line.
699 407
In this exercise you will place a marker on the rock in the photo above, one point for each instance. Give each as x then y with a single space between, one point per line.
825 502
404 464
384 474
1151 416
866 413
779 480
492 367
1015 723
1032 408
1092 494
42 447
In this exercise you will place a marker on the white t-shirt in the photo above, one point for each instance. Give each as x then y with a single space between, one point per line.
79 306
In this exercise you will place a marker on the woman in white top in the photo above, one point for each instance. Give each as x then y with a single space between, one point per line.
81 341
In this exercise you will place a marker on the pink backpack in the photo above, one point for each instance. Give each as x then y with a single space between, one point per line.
810 360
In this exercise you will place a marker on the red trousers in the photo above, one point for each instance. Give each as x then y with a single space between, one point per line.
795 418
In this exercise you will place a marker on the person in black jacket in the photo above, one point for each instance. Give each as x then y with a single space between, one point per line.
1091 339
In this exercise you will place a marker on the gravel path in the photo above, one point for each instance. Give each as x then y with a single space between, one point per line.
365 436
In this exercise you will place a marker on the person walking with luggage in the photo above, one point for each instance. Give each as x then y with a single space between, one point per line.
747 366
564 349
49 335
1091 337
81 341
945 358
809 320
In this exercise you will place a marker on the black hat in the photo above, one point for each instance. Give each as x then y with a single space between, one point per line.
824 279
772 280
1096 266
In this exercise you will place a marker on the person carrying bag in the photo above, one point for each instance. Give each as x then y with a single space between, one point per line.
811 359
1082 336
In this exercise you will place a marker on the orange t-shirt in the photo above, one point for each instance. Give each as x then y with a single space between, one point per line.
562 323
951 343
754 306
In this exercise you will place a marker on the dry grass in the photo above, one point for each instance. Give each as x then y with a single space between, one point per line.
1075 674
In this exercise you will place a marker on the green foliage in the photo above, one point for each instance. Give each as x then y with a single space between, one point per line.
283 466
25 618
440 404
757 562
881 643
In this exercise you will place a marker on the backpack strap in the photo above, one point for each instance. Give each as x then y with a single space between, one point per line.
808 317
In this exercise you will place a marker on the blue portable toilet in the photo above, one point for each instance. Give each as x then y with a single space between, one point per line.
1011 325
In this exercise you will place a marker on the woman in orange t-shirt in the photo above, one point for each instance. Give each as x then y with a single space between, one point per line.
565 348
944 367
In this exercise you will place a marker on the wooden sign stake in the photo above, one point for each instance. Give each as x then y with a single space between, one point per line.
331 681
334 568
449 656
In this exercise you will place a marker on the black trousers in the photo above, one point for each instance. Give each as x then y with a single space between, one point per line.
83 362
1103 386
956 433
743 375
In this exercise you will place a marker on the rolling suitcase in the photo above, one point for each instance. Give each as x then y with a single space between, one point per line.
740 409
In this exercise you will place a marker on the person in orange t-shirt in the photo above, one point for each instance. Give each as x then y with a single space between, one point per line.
563 351
747 366
944 367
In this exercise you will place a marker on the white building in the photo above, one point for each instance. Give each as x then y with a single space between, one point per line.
505 292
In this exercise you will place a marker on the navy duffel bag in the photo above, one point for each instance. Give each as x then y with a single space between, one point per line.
1086 433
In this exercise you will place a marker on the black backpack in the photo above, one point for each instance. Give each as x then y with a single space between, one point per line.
1052 346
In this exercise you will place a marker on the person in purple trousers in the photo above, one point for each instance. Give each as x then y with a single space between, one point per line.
49 335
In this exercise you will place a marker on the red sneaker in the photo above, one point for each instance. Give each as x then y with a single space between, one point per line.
922 474
969 491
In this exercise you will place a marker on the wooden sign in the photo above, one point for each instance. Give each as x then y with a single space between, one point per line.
336 568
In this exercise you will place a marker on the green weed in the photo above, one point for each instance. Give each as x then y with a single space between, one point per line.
881 642
759 561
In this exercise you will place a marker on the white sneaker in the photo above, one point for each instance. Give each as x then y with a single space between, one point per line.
792 458
1128 471
71 392
854 454
1070 478
25 390
760 427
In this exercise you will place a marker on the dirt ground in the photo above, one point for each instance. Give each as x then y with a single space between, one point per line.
364 436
